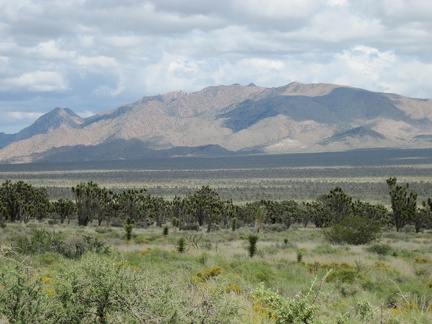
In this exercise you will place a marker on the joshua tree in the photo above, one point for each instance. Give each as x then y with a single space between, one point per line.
86 201
423 218
65 208
234 224
181 245
129 225
253 239
403 203
22 199
259 218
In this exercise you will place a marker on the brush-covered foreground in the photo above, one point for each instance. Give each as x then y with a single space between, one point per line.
71 274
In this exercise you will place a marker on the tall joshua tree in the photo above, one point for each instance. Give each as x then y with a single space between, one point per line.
403 203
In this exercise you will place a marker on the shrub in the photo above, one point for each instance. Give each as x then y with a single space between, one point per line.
353 230
22 299
190 227
128 226
165 230
234 224
175 222
141 239
381 249
208 274
275 228
42 241
181 245
347 275
300 309
253 239
299 256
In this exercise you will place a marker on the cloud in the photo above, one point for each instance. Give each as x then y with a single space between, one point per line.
85 114
51 50
92 55
19 115
14 121
97 62
39 81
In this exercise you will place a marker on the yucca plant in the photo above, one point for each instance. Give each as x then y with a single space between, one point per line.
253 239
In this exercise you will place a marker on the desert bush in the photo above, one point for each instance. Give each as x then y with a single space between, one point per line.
347 275
75 248
39 241
190 227
275 228
181 245
116 222
203 276
234 223
22 298
299 255
252 239
128 227
381 249
353 230
165 230
100 289
42 241
103 230
300 309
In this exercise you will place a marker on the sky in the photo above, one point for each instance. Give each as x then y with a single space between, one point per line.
94 55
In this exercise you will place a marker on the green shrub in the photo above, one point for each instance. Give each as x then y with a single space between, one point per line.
38 242
103 230
381 249
175 222
141 239
190 227
181 245
353 230
203 276
281 310
234 224
128 226
22 298
42 241
268 228
347 275
165 230
253 239
299 256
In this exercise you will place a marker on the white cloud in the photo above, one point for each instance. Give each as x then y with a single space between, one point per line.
97 62
85 114
278 9
19 115
50 50
104 52
367 62
123 41
39 81
337 3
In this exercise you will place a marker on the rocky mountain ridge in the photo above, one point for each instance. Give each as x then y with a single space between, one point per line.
224 120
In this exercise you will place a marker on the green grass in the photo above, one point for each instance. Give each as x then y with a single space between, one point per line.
386 282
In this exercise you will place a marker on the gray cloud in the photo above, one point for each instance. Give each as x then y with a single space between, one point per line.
90 55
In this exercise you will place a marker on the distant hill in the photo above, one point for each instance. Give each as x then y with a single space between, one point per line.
228 120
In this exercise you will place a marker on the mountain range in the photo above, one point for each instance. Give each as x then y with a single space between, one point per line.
228 120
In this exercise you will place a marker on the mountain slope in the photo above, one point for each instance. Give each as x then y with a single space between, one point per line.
59 117
292 118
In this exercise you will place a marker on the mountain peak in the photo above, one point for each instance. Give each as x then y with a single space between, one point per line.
293 118
54 119
308 90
